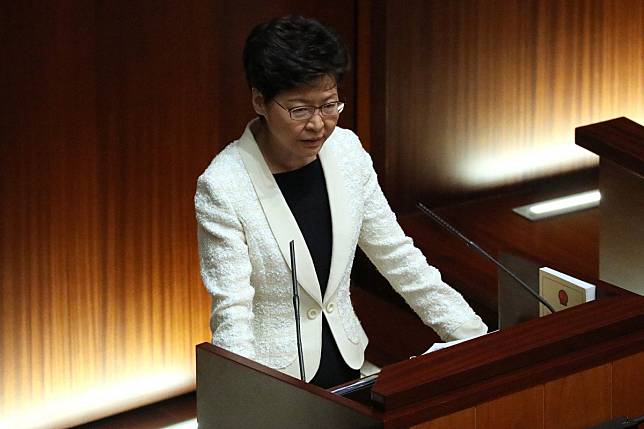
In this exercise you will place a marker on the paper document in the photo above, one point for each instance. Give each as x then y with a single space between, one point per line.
562 291
440 346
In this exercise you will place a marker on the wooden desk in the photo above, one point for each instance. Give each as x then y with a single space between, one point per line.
571 369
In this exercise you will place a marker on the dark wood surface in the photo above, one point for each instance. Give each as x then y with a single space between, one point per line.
619 140
524 356
551 346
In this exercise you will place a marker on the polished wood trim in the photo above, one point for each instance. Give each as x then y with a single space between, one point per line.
617 140
525 355
585 398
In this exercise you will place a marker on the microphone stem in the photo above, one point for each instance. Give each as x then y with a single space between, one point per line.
476 247
296 307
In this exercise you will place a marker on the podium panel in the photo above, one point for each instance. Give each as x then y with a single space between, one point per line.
236 393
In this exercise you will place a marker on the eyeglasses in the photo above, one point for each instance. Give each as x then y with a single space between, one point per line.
304 113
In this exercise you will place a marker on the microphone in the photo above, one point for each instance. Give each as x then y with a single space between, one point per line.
476 247
296 306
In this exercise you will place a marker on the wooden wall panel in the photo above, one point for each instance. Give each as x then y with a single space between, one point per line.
46 228
578 401
110 112
521 410
481 95
628 386
464 419
587 398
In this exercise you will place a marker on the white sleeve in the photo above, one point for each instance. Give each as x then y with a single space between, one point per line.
405 267
225 270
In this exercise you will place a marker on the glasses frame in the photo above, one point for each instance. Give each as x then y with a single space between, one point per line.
316 109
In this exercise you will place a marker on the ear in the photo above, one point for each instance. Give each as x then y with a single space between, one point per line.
259 104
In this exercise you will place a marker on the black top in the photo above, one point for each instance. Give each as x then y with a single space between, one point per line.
306 195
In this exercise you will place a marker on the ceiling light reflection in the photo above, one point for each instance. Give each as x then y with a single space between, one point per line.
558 206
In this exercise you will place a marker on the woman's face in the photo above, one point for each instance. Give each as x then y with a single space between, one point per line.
288 144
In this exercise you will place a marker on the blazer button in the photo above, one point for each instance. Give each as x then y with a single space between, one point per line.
330 307
312 313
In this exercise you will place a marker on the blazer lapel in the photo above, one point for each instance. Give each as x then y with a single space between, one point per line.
279 216
340 217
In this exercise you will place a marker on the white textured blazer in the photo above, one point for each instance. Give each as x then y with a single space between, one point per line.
244 230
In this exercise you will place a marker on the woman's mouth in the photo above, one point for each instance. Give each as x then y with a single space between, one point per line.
313 142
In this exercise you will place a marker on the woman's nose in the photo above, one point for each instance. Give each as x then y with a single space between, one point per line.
316 122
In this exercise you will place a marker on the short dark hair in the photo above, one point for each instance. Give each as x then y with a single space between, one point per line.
287 52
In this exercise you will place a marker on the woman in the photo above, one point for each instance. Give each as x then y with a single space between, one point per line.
295 175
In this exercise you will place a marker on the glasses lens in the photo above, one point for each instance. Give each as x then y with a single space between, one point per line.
300 113
329 109
332 108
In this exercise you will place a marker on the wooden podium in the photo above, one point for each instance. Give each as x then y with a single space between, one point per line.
620 145
573 369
